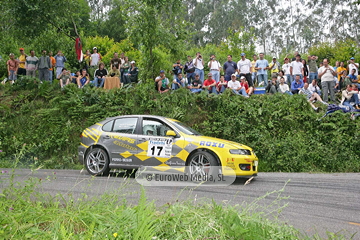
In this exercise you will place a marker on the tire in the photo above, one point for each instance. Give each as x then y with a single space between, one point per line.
97 162
201 163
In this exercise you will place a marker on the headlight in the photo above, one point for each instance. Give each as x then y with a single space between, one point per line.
240 151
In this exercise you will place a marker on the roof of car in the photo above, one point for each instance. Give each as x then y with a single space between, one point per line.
150 116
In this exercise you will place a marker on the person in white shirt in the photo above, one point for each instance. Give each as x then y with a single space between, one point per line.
314 87
297 68
286 69
199 66
214 67
326 74
283 87
352 65
95 58
243 68
311 96
235 86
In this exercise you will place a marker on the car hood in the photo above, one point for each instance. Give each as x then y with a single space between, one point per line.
228 144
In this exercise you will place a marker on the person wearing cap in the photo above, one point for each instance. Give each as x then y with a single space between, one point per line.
214 67
95 58
229 67
245 84
253 70
44 65
199 66
177 68
274 67
327 74
132 75
286 69
22 61
189 68
12 67
60 62
243 68
210 84
313 69
353 65
31 64
221 85
297 68
262 65
235 86
195 86
162 83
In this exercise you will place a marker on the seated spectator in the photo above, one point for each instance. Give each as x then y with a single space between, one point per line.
210 84
195 86
281 74
345 79
350 95
74 77
221 85
132 74
178 82
272 86
114 72
162 83
352 76
235 86
245 84
99 75
283 87
296 85
311 96
83 79
64 77
314 87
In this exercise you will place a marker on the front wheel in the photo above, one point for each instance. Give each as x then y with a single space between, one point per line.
202 163
97 162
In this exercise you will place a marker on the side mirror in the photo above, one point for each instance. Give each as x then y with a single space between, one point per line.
170 133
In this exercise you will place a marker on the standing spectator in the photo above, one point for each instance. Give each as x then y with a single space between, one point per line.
195 86
253 70
340 71
44 65
350 95
314 87
235 86
274 67
243 68
124 67
115 61
162 83
297 68
210 84
60 62
214 67
22 61
178 82
95 58
352 76
230 68
295 54
177 68
262 65
190 70
53 64
286 69
313 69
221 85
83 79
132 74
64 78
31 64
326 74
199 66
87 60
353 65
100 75
296 85
12 67
306 70
283 87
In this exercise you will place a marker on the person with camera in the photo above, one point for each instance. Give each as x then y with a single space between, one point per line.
352 65
327 74
64 78
199 66
189 68
100 74
177 68
214 67
83 79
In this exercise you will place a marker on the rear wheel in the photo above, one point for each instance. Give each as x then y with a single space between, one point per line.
202 163
97 162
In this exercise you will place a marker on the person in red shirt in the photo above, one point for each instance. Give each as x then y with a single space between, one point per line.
210 84
245 84
221 85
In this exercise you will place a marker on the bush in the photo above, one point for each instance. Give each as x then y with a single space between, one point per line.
283 130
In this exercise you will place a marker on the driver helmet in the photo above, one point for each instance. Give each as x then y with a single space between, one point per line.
148 130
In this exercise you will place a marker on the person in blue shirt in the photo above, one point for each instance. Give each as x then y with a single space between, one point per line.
262 65
178 82
352 76
297 85
229 68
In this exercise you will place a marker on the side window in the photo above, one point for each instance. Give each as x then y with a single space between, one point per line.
125 125
108 126
154 128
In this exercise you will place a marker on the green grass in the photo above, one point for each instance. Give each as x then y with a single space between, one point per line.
26 213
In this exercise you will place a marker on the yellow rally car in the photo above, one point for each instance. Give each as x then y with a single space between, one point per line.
132 141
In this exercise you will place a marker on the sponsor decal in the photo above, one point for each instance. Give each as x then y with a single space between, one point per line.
124 145
212 144
160 148
127 160
126 139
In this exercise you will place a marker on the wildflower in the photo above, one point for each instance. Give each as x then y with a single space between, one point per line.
0 150
3 171
115 235
54 173
11 208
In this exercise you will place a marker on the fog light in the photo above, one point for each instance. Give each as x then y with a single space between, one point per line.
245 167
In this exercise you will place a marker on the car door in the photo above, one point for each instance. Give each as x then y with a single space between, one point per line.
121 140
157 149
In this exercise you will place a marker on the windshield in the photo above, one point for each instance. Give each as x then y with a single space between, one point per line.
184 128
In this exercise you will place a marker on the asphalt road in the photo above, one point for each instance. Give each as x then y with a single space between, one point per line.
316 203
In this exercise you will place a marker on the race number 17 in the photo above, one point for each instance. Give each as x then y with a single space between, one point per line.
159 148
